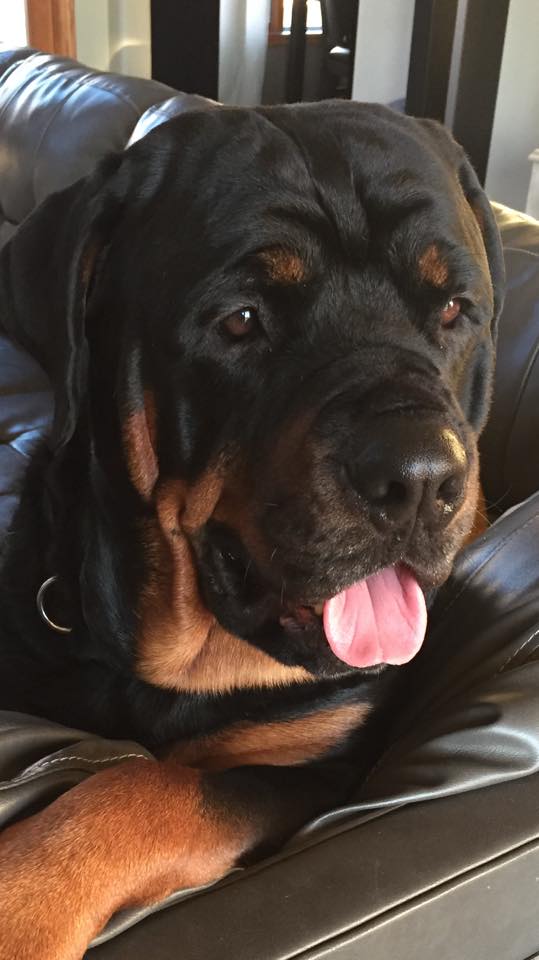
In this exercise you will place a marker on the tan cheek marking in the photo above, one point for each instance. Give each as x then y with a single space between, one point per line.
282 265
480 521
174 622
226 663
463 524
283 743
181 646
200 502
432 268
139 436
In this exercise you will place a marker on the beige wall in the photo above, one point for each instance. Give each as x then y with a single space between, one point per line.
12 23
516 121
384 37
381 74
114 35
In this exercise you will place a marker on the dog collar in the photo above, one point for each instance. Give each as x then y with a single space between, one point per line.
41 608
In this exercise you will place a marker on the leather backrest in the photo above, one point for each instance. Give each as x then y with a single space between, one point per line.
510 444
58 118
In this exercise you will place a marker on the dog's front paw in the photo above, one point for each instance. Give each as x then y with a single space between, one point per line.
22 939
31 930
35 925
41 915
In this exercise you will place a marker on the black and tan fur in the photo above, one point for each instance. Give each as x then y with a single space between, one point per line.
194 498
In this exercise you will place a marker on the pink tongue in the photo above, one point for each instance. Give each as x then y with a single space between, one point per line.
379 620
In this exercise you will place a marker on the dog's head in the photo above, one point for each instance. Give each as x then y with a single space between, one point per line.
273 331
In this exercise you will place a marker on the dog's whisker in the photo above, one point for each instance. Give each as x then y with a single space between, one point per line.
492 506
247 568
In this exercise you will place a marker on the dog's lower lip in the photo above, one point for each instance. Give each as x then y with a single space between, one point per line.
295 611
426 579
316 607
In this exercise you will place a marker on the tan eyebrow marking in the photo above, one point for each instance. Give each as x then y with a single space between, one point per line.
432 268
283 266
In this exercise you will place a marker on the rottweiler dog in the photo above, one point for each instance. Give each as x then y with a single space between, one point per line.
270 336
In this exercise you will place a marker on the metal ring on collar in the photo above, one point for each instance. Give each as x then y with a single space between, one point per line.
39 600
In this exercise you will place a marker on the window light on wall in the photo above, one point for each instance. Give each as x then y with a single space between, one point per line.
314 15
13 24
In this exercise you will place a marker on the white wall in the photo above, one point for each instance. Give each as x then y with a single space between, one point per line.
381 74
516 120
243 44
384 37
92 33
114 35
12 24
456 56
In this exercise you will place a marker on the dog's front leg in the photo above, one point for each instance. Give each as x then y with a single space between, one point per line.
133 834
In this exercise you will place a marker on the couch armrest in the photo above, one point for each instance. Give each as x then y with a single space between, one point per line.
457 878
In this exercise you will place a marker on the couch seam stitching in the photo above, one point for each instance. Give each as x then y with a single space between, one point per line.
43 766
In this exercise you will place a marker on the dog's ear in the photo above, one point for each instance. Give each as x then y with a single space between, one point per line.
439 137
46 272
482 210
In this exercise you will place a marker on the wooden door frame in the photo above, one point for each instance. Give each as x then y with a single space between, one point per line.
51 26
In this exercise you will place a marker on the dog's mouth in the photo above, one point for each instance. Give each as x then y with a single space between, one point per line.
378 619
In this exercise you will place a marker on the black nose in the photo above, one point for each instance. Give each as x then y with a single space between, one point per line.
410 469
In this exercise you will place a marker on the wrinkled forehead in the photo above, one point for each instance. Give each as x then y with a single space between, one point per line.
366 172
345 176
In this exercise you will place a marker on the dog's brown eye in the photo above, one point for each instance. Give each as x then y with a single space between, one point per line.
451 311
240 323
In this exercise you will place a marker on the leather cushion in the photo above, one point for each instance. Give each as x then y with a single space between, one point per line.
509 447
58 118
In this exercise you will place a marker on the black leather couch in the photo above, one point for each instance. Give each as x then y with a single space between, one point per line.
438 855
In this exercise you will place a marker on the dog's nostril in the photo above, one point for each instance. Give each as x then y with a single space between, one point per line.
374 487
383 494
449 492
397 494
386 495
412 472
